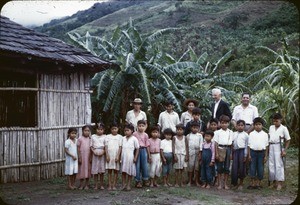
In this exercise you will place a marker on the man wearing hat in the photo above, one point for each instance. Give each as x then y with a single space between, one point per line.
133 116
190 104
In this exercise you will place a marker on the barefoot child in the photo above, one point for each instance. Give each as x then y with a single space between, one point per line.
113 148
207 160
278 134
213 126
195 141
130 151
180 153
71 163
84 157
239 155
223 138
98 157
257 153
154 160
144 154
166 155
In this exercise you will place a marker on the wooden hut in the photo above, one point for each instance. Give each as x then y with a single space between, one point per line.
44 90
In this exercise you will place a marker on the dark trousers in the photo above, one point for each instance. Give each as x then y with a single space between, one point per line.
238 169
223 167
257 164
206 170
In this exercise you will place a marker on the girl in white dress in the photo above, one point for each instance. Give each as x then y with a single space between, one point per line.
71 163
98 158
130 151
181 154
113 148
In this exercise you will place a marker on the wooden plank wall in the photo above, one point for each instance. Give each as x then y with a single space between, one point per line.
30 154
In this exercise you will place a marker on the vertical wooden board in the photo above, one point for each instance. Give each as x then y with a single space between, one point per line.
1 148
23 170
7 153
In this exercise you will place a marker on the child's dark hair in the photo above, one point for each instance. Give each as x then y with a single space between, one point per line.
215 120
194 124
86 126
258 120
276 116
196 111
129 126
224 118
72 129
114 124
209 132
241 121
154 128
100 125
141 122
180 125
167 103
168 131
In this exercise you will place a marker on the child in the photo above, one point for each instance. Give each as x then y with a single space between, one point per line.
180 153
113 148
154 160
130 151
213 124
144 154
169 118
98 158
195 140
239 155
257 153
166 155
196 118
71 163
207 160
278 134
84 158
223 138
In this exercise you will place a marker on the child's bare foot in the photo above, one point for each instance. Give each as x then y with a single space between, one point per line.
74 187
207 186
109 188
197 184
240 187
203 186
165 185
189 184
81 187
70 187
151 185
86 187
279 187
226 187
169 184
219 187
156 185
102 187
95 187
176 185
128 188
114 188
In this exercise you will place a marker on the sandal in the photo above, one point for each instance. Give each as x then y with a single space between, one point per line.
139 185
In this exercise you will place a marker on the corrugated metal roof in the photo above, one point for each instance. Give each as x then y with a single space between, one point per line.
23 41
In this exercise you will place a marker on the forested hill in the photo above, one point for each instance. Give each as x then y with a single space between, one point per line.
151 15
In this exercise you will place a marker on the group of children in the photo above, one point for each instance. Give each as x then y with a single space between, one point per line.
206 156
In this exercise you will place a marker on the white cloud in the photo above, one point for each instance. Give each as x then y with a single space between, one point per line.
29 13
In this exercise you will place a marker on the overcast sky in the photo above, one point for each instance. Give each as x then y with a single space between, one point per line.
28 13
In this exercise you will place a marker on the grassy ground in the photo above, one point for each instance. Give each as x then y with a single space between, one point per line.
54 191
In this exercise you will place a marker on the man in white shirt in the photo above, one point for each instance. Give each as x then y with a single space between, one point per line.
168 118
246 112
133 116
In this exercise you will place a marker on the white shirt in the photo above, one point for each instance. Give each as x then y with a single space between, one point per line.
166 145
185 118
98 141
195 142
168 120
223 137
216 107
280 131
258 140
247 114
240 140
131 118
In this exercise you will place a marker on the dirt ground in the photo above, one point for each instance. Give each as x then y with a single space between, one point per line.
54 191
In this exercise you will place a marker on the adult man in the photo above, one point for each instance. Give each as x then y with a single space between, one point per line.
246 112
169 118
219 107
133 116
